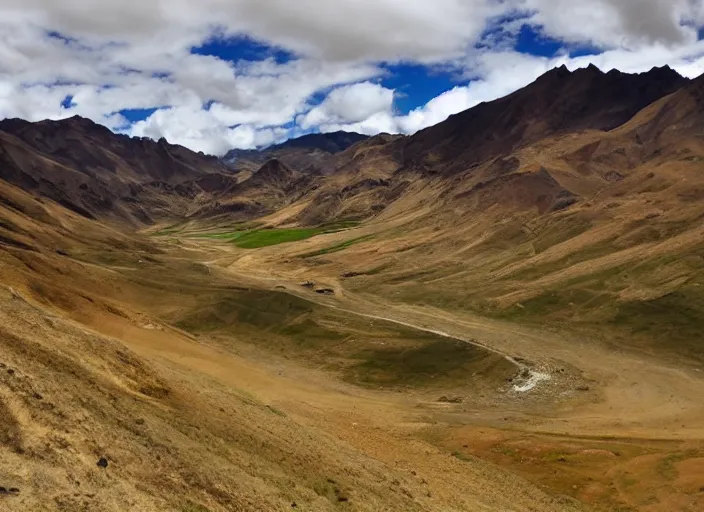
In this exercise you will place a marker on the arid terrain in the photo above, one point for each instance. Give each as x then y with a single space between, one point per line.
503 312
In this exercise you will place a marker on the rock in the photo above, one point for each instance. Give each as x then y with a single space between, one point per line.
11 371
3 490
14 490
308 284
140 421
37 396
325 291
103 462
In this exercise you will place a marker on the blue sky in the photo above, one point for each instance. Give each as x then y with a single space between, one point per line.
220 74
415 84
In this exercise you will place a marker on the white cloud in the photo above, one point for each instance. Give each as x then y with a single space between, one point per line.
333 31
618 23
199 130
135 54
381 122
350 104
687 60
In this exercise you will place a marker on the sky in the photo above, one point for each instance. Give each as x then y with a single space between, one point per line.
214 75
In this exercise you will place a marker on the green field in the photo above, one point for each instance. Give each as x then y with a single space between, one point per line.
265 237
268 237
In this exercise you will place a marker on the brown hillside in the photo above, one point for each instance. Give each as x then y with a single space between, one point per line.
96 173
558 102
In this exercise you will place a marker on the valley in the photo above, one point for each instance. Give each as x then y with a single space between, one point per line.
502 312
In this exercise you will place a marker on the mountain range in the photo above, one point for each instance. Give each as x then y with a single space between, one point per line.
95 172
612 154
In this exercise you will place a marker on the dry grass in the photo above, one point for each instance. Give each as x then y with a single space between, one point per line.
186 423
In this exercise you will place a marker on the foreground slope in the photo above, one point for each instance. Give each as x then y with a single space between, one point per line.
106 406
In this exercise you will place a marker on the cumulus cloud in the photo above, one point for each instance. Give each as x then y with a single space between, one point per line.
619 23
96 59
381 122
199 130
350 104
345 30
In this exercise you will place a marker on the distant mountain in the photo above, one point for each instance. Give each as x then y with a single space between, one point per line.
560 101
573 177
329 142
476 157
99 174
83 143
308 151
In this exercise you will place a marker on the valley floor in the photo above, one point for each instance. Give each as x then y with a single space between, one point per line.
196 403
613 428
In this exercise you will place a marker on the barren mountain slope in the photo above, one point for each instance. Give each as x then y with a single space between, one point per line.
90 170
558 102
